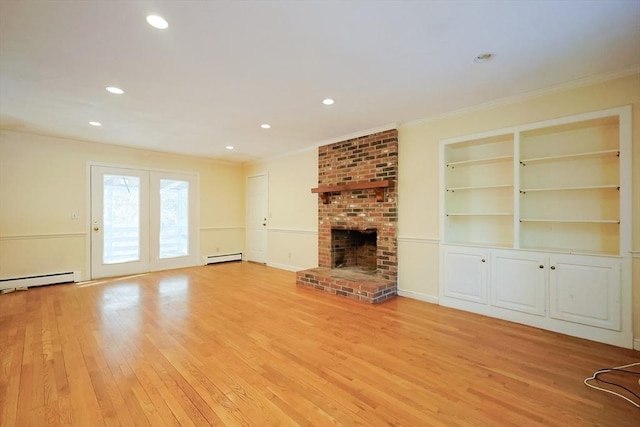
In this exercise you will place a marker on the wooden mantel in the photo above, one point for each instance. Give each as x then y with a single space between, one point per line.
325 190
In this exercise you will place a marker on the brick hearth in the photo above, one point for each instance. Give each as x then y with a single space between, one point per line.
352 285
358 162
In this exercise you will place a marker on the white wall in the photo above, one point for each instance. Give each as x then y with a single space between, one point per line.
43 180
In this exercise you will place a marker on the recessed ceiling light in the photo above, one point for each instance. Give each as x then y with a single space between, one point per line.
328 101
116 90
157 22
485 57
95 123
265 126
229 147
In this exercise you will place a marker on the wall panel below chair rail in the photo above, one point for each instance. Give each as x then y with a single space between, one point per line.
31 255
292 249
418 265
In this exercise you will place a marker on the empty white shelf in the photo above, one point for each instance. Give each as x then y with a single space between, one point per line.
602 153
586 187
480 161
480 187
479 214
594 221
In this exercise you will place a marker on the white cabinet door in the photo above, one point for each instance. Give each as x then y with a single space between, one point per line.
465 273
518 281
586 290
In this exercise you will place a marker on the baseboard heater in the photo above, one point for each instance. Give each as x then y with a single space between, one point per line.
7 285
216 259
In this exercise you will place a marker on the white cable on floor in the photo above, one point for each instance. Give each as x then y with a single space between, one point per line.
593 377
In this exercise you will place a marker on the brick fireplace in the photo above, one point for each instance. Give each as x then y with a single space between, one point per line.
357 217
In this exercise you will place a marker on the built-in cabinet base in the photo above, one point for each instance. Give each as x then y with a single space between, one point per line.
577 295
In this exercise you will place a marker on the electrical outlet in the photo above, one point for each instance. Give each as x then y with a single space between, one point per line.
74 215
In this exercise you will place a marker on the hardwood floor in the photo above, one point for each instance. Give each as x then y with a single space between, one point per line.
239 344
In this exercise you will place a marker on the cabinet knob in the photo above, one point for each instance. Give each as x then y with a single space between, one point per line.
553 267
541 266
484 260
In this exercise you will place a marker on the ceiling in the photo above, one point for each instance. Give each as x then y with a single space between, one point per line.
223 68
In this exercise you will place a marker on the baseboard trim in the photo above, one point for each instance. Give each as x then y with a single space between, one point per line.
219 258
636 344
419 296
284 267
25 282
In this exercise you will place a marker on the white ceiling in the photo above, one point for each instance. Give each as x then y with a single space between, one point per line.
222 68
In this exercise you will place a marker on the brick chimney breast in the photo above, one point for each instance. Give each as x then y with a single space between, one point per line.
368 159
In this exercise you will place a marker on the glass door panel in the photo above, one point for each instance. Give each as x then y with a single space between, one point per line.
121 219
174 218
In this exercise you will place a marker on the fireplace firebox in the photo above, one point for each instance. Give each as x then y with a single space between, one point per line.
354 249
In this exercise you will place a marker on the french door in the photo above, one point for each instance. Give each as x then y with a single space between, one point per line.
142 221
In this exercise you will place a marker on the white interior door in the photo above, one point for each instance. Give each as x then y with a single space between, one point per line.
119 221
142 221
257 211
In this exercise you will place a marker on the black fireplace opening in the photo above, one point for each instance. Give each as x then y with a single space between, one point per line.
354 249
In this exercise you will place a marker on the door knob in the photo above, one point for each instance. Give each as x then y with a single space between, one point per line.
96 228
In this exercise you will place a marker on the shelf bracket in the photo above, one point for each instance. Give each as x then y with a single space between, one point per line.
379 194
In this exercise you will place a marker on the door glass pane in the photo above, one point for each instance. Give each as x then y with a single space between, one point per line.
121 221
174 218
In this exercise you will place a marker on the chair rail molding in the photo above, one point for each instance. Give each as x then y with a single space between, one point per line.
44 236
423 240
291 230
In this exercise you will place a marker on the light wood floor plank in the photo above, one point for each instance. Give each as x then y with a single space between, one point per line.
240 344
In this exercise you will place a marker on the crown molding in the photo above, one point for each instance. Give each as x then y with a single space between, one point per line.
123 147
388 126
279 156
346 137
573 84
